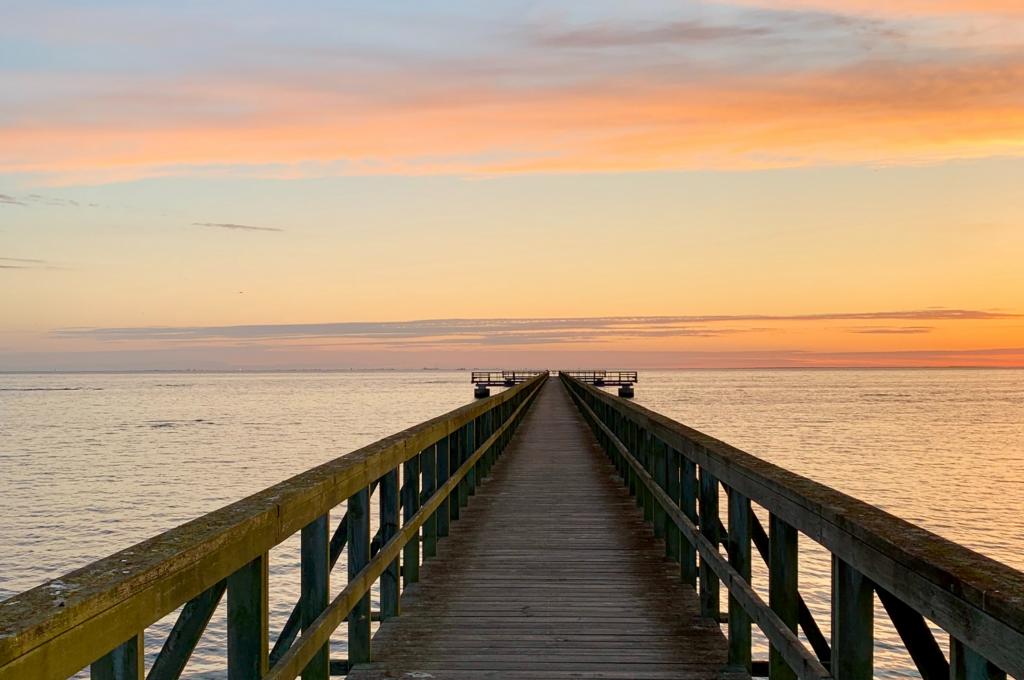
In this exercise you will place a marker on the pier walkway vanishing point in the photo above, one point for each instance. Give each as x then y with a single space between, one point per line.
552 530
550 573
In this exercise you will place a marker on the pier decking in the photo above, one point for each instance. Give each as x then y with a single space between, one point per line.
549 573
552 530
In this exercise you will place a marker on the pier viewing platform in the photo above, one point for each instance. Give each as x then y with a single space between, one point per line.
553 530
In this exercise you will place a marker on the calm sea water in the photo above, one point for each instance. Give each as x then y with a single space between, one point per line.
91 464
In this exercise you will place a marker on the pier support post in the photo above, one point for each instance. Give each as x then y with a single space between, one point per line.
443 513
248 621
358 558
709 584
411 497
688 504
428 466
124 662
967 664
740 559
390 592
315 589
783 596
853 623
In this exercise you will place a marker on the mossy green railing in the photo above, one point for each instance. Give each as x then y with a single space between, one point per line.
96 616
676 473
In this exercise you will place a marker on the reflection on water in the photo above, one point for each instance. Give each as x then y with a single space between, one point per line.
93 463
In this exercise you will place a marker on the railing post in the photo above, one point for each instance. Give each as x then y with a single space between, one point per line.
853 623
488 457
967 664
411 496
315 589
474 471
465 439
124 662
630 442
390 592
673 538
740 559
783 596
428 466
688 504
443 513
248 621
658 465
641 488
709 584
358 558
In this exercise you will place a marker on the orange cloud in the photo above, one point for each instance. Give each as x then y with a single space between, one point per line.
912 8
875 111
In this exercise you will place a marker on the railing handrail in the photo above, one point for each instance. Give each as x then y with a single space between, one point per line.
123 593
977 599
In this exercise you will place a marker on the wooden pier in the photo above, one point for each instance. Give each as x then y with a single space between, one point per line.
550 573
552 530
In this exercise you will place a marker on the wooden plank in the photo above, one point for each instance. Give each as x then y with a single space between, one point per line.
673 540
411 504
709 521
248 612
917 637
979 600
853 624
390 588
967 664
428 468
807 622
740 560
315 588
548 577
360 584
124 662
688 505
443 513
184 636
778 633
782 588
54 630
358 558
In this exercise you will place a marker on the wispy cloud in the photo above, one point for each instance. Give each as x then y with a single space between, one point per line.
11 200
615 35
892 330
24 263
528 331
653 87
21 260
240 227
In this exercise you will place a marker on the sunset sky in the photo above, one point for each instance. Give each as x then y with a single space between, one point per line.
473 184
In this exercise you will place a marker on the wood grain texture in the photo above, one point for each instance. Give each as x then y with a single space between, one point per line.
49 633
550 572
969 595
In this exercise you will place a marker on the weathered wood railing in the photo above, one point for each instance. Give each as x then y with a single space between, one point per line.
96 616
676 473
